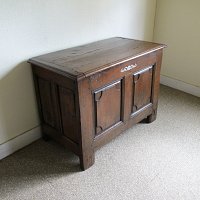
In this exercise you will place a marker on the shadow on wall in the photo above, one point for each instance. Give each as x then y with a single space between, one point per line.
18 110
143 20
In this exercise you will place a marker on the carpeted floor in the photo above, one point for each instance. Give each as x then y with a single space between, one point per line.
148 162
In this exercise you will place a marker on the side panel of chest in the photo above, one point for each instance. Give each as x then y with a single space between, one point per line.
58 105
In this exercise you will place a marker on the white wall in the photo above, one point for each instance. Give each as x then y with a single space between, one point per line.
33 27
177 24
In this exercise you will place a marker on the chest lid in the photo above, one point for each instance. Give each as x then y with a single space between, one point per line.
85 60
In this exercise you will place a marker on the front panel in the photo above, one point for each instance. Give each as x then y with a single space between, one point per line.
107 102
142 88
122 92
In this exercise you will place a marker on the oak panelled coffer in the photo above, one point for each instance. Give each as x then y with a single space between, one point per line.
89 94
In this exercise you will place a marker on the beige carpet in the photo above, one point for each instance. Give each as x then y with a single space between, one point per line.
149 162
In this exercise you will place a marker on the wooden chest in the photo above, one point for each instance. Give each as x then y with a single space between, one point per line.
89 94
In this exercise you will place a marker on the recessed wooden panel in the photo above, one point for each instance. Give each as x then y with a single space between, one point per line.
108 106
142 87
48 104
68 113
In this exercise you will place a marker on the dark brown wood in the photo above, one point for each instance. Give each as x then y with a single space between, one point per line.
87 130
142 88
155 86
107 106
88 95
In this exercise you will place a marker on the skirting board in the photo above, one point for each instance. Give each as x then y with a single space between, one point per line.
19 142
179 85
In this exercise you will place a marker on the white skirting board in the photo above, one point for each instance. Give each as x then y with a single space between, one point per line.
19 142
179 85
